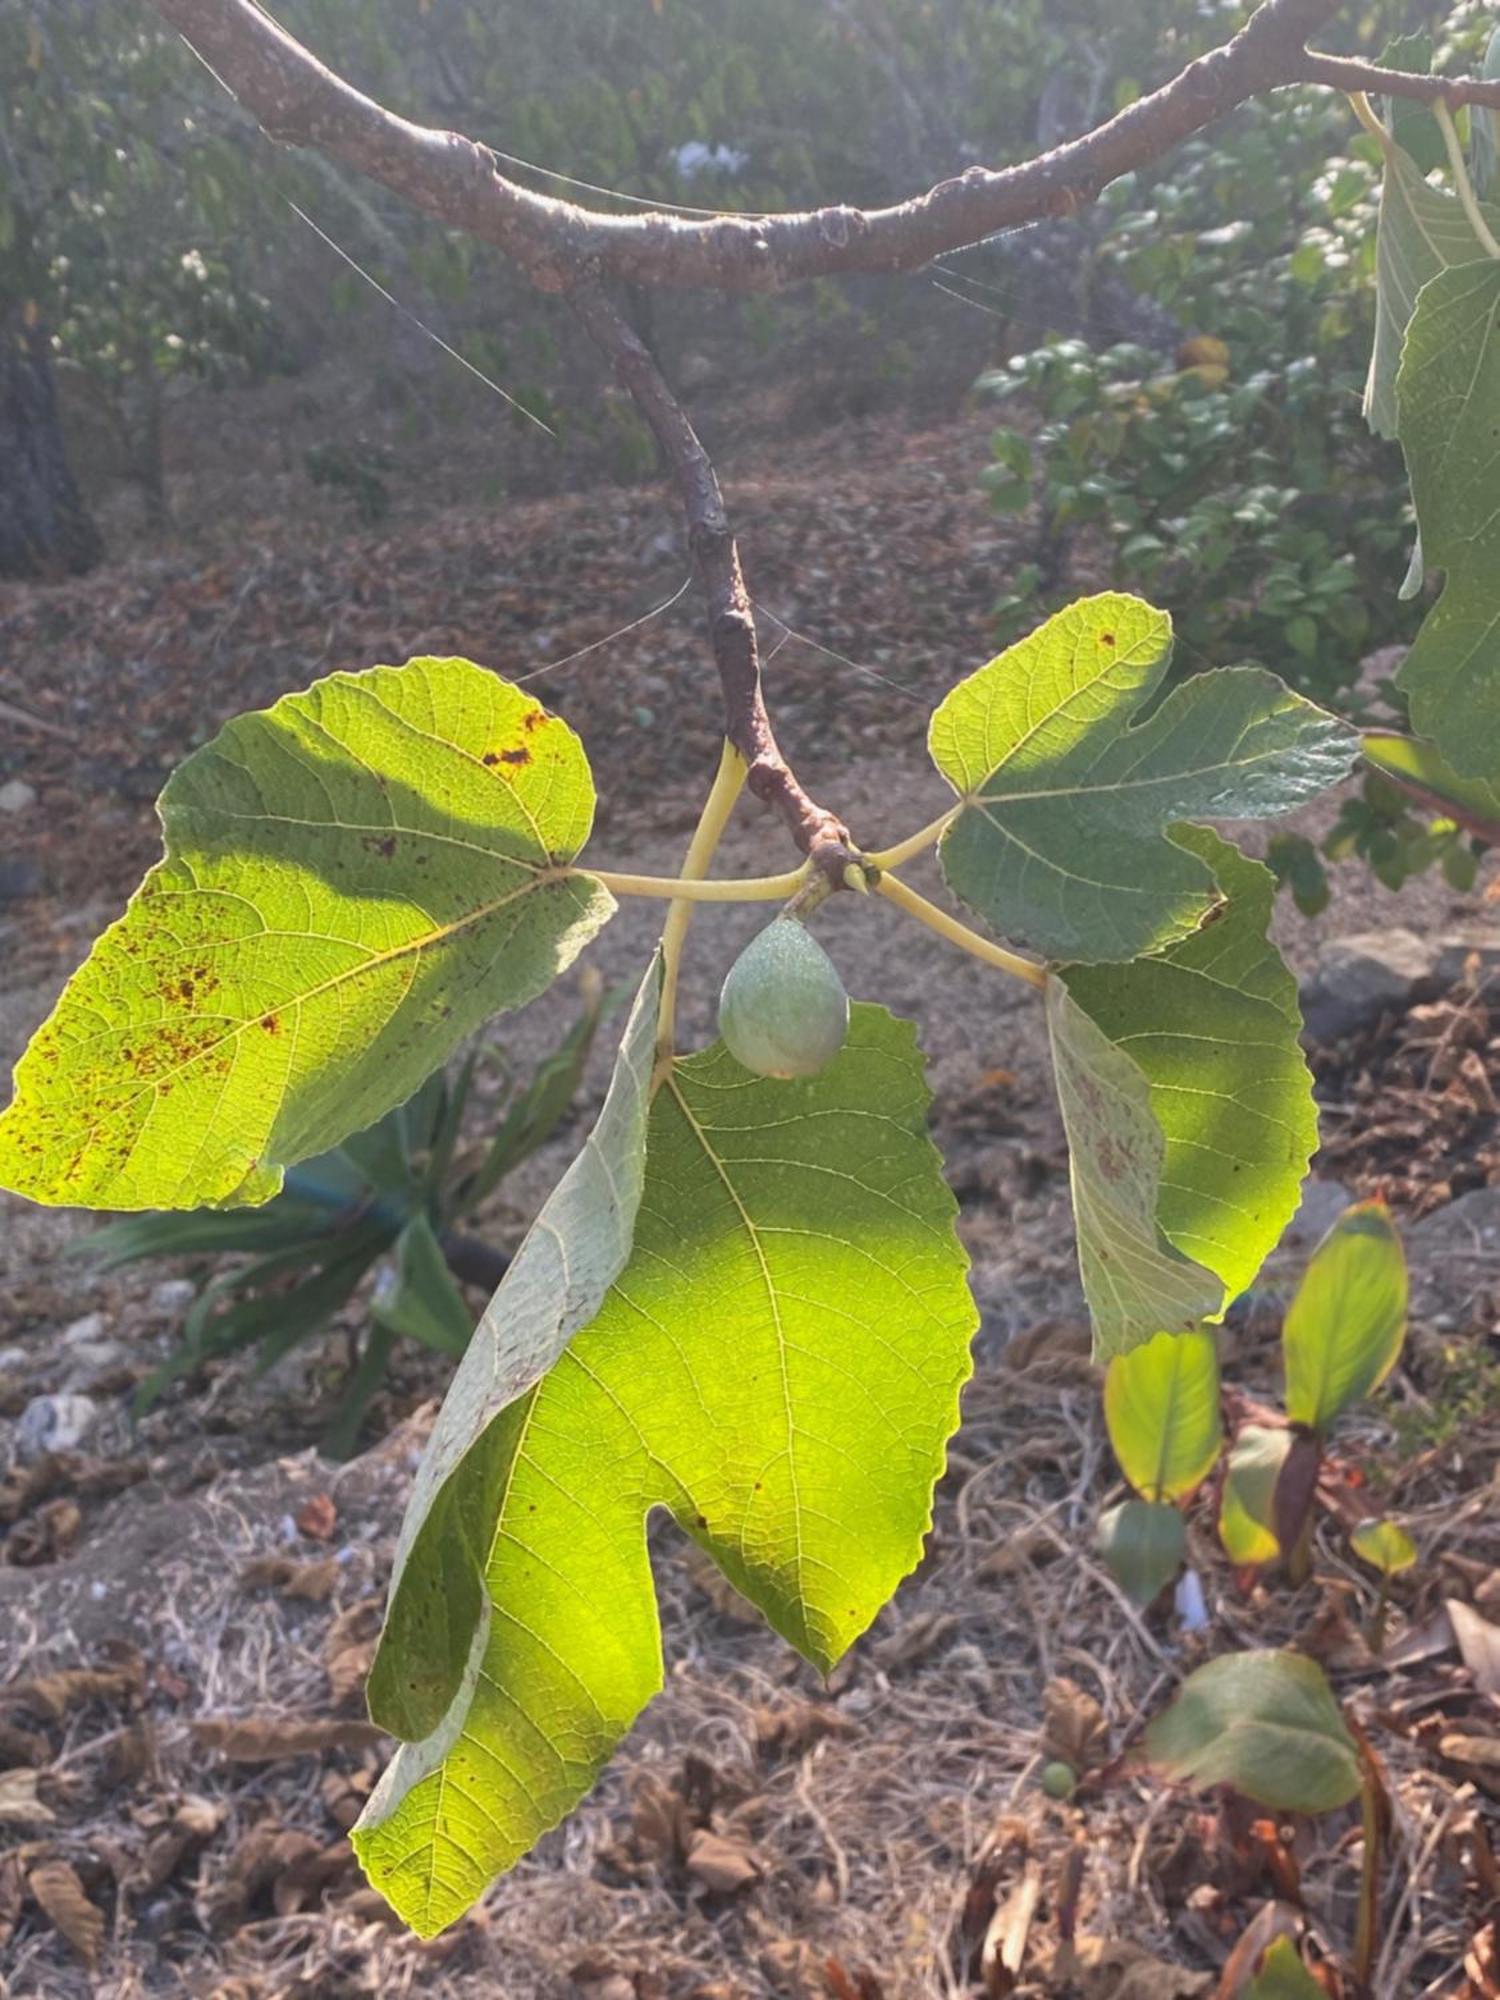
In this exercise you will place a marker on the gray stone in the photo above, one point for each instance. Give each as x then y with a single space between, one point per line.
1323 1202
83 1332
55 1423
1454 1254
1472 1223
93 1361
1358 978
173 1295
16 796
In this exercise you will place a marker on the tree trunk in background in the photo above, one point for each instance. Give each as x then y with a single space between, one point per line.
45 528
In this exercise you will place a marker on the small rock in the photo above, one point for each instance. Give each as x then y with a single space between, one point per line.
1453 1254
14 1360
20 876
1471 1223
1357 978
16 796
54 1423
1323 1202
92 1362
173 1295
83 1332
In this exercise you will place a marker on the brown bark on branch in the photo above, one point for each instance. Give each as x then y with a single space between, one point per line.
820 834
297 99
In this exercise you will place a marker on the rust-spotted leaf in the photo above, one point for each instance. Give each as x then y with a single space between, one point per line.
353 881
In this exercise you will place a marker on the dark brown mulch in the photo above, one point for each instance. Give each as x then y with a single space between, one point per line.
1409 1110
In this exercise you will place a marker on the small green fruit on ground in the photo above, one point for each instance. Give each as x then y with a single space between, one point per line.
1059 1780
783 1011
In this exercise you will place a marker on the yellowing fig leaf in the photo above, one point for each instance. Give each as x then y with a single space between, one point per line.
1266 1723
1283 1976
778 1365
1344 1328
1142 1543
1068 794
354 880
1189 1111
1448 396
1161 1407
1384 1545
1247 1506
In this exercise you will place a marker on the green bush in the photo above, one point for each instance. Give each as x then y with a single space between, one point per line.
1238 485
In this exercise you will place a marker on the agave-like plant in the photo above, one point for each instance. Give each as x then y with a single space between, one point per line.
393 1197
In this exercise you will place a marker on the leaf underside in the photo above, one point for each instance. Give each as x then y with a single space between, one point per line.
555 1285
354 880
1422 231
1266 1723
1062 839
1161 1407
1189 1111
1448 393
1248 1503
778 1365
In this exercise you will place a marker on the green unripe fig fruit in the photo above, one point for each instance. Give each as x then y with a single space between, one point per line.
783 1011
1059 1780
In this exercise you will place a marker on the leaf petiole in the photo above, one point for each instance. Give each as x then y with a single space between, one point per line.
704 888
950 928
916 843
723 794
1463 186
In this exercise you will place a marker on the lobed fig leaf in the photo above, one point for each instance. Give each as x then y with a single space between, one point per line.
783 1011
354 880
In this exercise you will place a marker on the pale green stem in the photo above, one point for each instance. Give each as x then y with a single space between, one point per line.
720 803
1364 111
703 889
1461 182
956 933
916 843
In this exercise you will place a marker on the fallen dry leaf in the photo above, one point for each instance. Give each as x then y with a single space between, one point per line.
52 1695
916 1639
1114 1969
262 1739
788 1728
317 1517
722 1864
1074 1729
1003 1952
19 1804
63 1897
1483 1751
22 1746
1479 1644
12 1895
45 1536
313 1581
349 1648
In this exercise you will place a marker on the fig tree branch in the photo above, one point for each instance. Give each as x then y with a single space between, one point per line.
297 99
820 834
